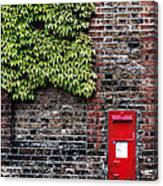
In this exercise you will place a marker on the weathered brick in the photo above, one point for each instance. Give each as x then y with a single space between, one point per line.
62 136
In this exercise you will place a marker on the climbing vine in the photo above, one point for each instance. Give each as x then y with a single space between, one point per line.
44 44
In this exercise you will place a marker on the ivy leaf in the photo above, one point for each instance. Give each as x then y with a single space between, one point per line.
47 44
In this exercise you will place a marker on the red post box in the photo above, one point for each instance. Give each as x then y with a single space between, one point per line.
122 145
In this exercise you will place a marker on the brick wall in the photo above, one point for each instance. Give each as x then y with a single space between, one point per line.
62 136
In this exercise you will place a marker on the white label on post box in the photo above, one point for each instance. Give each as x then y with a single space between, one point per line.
121 150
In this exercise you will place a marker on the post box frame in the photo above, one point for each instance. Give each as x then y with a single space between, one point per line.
127 120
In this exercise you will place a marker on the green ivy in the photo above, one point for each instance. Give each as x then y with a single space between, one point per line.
44 44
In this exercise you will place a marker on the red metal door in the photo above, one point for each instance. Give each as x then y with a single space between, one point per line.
122 145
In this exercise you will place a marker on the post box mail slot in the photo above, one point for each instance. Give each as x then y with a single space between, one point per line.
122 145
122 118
